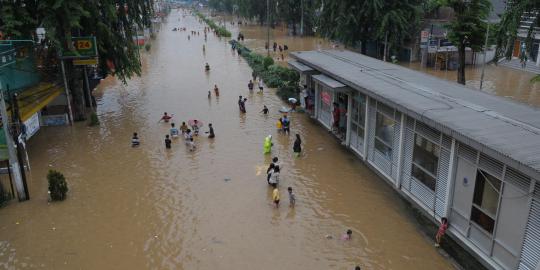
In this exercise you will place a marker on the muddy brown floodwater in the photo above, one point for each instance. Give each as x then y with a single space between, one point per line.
152 208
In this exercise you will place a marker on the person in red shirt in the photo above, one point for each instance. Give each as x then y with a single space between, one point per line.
165 118
336 115
441 232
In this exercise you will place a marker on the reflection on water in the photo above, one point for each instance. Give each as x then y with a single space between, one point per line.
152 208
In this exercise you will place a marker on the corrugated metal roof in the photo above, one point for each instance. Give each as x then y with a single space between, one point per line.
497 126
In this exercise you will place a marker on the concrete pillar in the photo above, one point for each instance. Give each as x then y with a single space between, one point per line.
348 131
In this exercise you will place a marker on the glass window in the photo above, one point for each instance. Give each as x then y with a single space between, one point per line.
425 161
384 133
485 200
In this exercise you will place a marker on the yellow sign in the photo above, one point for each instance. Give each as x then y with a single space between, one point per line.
85 62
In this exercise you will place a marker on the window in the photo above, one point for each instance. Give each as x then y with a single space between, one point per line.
358 114
384 133
485 200
425 161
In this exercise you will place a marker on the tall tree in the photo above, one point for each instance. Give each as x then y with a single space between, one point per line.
468 28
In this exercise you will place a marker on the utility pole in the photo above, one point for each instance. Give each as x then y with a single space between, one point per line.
14 166
267 27
68 96
302 18
89 93
484 62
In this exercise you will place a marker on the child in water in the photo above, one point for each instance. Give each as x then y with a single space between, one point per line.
191 145
135 140
264 110
442 230
167 142
347 235
275 197
183 127
174 131
292 197
210 132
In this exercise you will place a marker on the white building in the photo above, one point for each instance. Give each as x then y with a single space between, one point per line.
453 151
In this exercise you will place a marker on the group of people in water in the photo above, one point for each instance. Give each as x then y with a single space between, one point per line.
188 132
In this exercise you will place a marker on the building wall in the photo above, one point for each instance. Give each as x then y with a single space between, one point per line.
503 241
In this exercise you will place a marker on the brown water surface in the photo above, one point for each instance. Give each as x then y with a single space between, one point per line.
152 208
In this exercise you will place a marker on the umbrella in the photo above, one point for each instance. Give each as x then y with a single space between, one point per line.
293 100
192 123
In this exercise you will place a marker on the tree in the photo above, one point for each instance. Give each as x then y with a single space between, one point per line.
114 23
510 24
468 28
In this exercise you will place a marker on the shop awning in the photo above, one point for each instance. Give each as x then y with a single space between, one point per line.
300 67
33 99
330 83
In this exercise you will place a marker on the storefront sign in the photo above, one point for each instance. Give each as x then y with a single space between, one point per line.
424 37
85 47
85 62
326 98
31 125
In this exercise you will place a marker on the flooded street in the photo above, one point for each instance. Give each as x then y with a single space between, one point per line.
153 208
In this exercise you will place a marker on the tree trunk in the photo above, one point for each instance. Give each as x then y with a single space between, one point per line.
77 94
461 68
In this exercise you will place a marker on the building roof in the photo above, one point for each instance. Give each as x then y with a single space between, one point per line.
497 126
299 66
329 82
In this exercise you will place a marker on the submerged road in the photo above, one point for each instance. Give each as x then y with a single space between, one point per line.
153 208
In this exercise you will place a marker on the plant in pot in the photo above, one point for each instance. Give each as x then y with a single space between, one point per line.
57 185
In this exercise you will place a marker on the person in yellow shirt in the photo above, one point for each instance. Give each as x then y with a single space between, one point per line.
275 196
279 125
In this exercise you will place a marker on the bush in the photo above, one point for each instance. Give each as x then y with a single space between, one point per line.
57 185
147 46
274 76
267 62
94 120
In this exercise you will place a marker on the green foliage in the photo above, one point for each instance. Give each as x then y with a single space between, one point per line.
350 21
94 120
275 76
220 30
267 62
107 20
468 28
57 185
147 46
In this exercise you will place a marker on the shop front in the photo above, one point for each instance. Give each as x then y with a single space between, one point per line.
307 95
331 105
